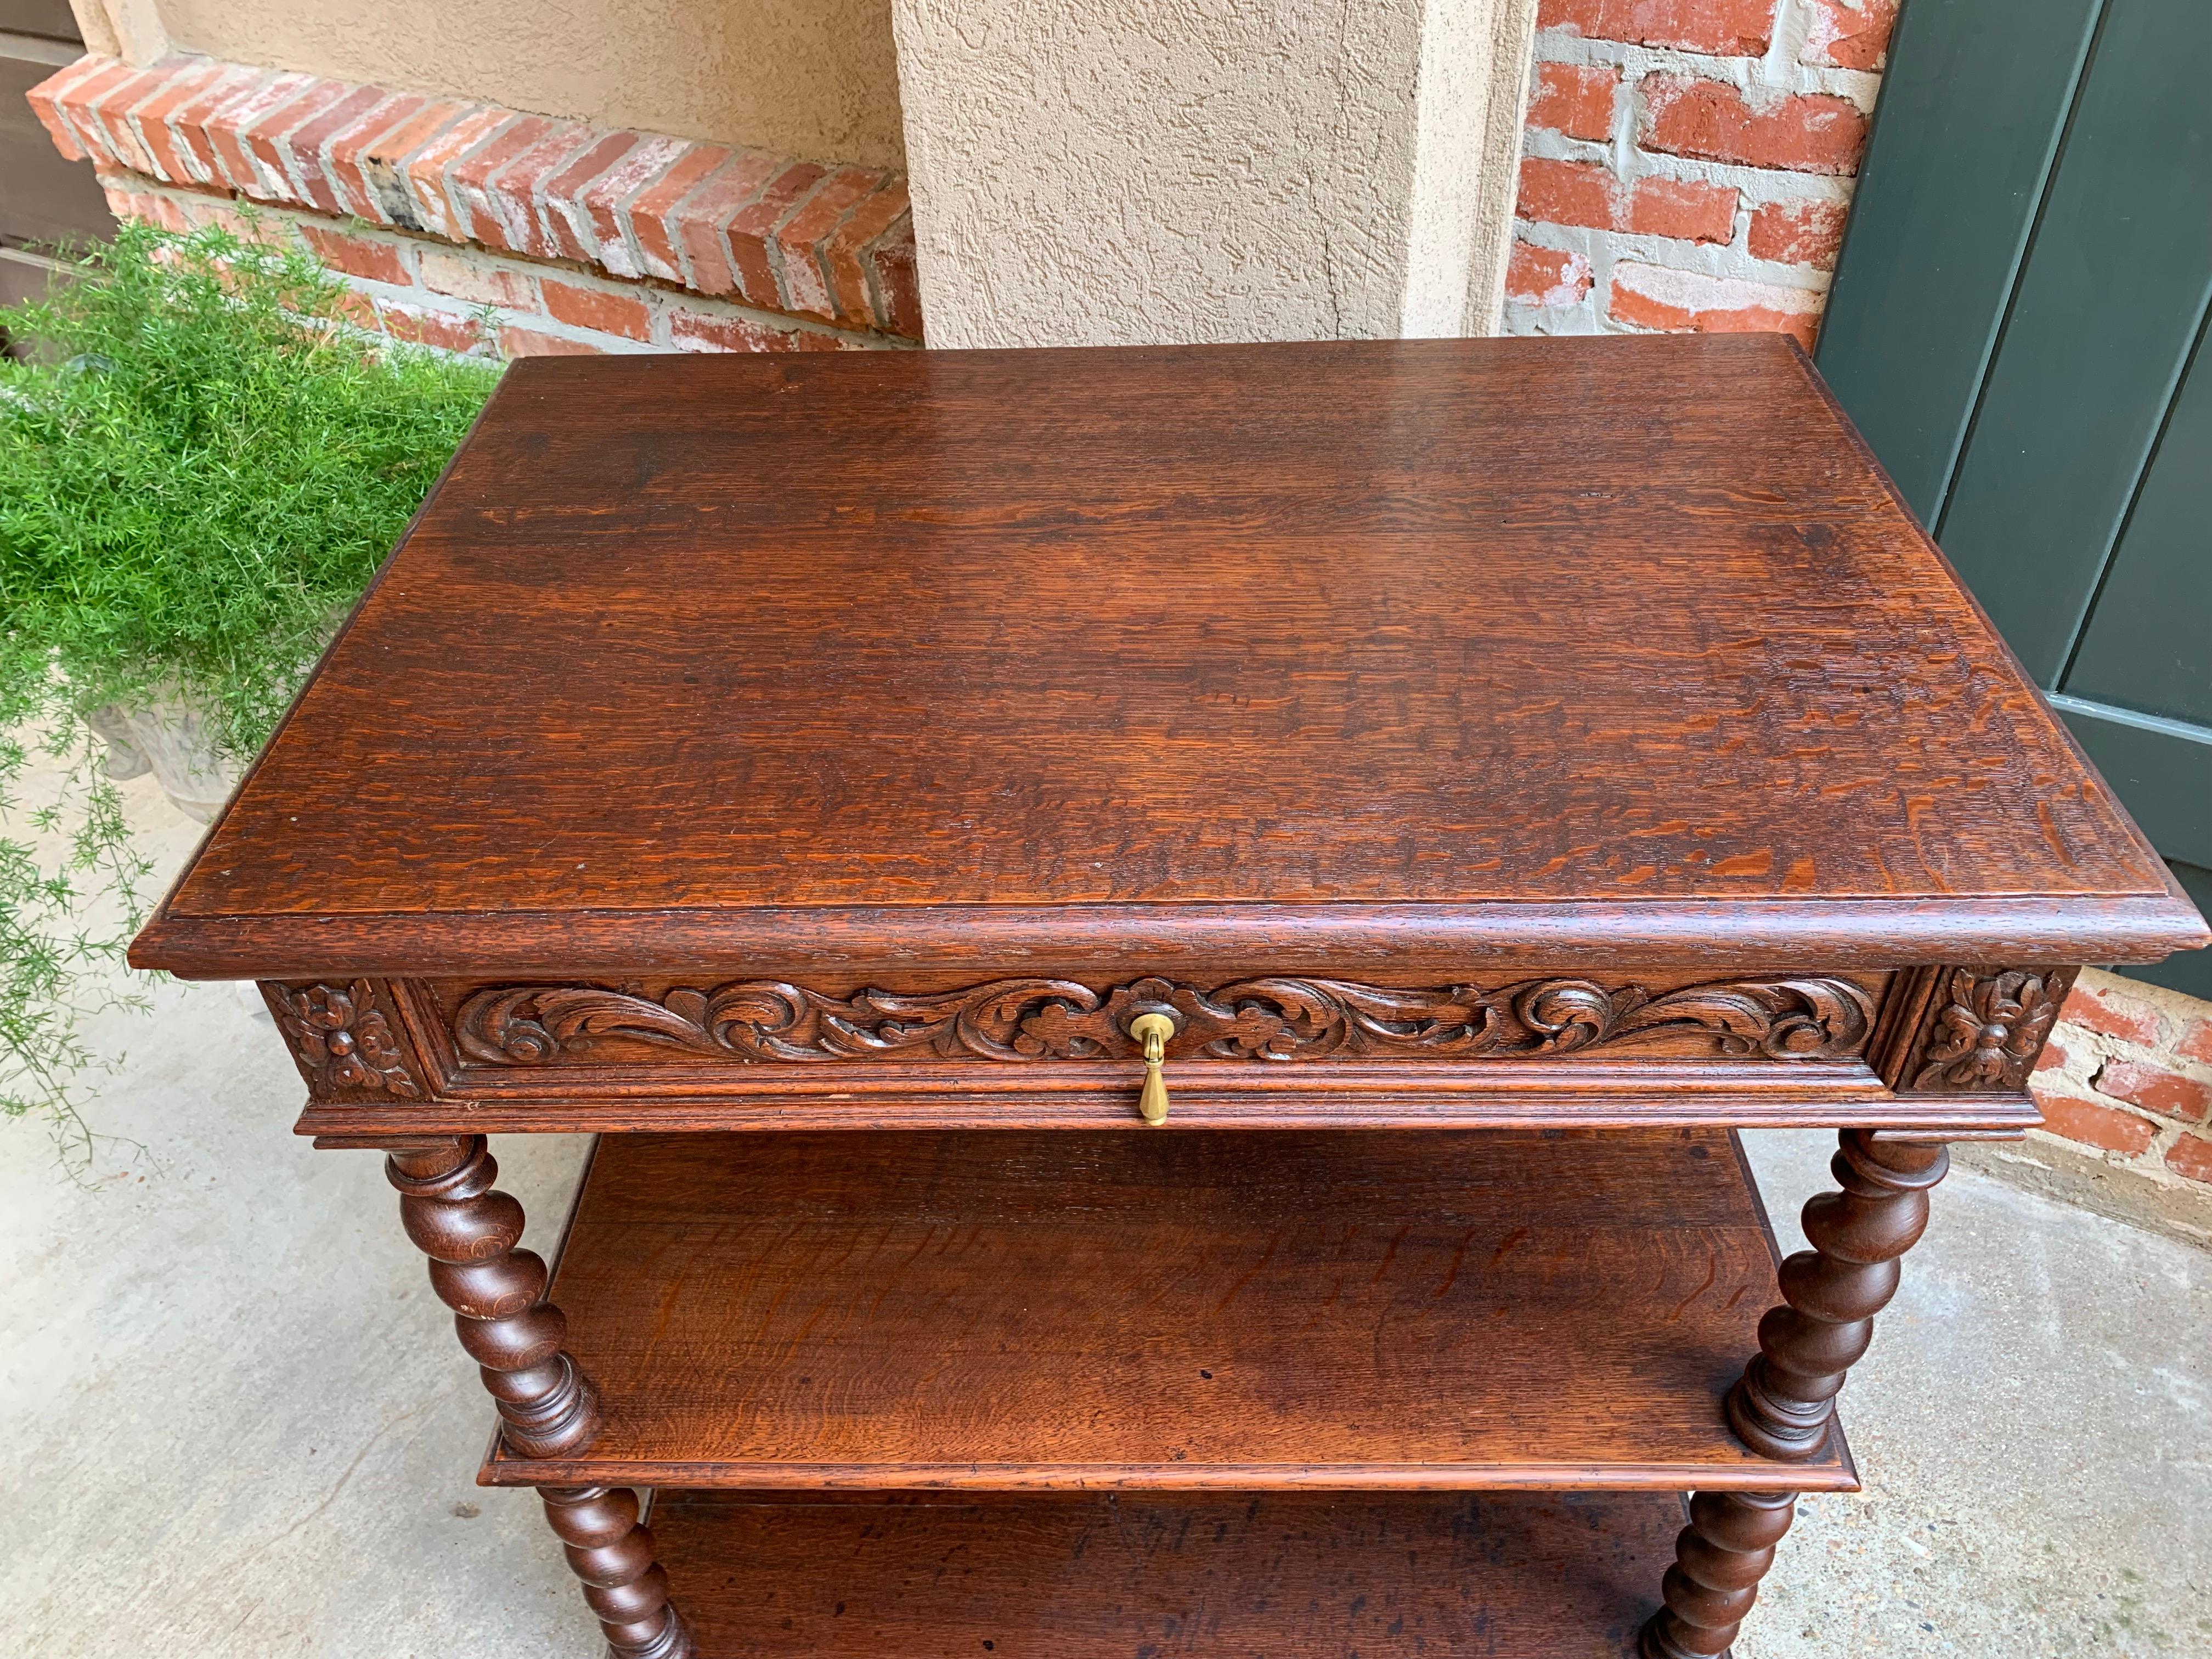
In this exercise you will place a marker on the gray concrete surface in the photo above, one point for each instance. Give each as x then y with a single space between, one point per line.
233 1421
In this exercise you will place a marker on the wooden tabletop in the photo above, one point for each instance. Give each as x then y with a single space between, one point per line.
1509 647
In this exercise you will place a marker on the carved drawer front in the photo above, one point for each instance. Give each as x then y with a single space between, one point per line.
1953 1044
771 1032
1282 1020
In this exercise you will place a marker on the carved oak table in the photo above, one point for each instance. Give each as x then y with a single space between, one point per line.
1451 786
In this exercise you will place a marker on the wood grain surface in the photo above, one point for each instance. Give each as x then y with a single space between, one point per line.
1166 1576
1311 653
1354 1309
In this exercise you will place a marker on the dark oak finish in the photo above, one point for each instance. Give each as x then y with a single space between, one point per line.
1984 1029
1784 1405
1355 1310
1719 1559
1941 1051
1262 658
1455 784
1174 1576
613 1553
1278 1052
1378 1098
1276 1020
663 1053
344 1041
547 1406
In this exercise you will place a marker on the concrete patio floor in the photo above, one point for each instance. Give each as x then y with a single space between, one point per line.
234 1421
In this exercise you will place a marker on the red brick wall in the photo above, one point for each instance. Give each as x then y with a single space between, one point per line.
1688 163
473 228
2129 1074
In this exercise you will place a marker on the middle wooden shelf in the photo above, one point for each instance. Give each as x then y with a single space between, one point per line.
1482 1309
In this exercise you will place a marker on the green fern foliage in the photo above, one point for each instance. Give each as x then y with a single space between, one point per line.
200 466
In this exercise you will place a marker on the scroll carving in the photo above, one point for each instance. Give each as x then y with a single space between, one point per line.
1986 1027
342 1039
1257 1019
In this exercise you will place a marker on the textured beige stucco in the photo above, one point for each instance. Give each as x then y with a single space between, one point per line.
1097 171
130 29
815 78
1473 97
1512 28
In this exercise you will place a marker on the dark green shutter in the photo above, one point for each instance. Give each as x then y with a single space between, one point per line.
2017 326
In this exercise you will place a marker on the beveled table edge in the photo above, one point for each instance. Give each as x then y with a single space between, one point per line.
1488 937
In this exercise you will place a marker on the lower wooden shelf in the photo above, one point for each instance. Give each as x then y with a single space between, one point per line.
1170 1574
1168 1308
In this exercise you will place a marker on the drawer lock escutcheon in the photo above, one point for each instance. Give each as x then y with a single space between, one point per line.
1153 1031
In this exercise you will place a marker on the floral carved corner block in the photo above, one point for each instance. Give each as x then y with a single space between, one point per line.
343 1041
1988 1027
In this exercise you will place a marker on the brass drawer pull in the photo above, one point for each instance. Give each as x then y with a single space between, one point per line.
1153 1031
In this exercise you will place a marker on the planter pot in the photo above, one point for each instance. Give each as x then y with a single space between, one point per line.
170 736
178 744
110 727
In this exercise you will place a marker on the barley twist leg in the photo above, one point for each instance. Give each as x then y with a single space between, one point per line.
1719 1559
612 1553
547 1406
1784 1404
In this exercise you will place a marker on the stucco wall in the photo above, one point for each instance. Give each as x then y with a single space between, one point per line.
813 78
1095 172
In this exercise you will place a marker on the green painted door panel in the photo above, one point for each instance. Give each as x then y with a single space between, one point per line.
2028 275
2149 644
2161 770
1933 249
2102 321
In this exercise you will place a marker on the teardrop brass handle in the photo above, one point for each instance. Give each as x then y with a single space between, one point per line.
1153 1031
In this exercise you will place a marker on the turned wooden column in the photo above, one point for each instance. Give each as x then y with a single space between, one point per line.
612 1553
1719 1559
547 1406
1785 1401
